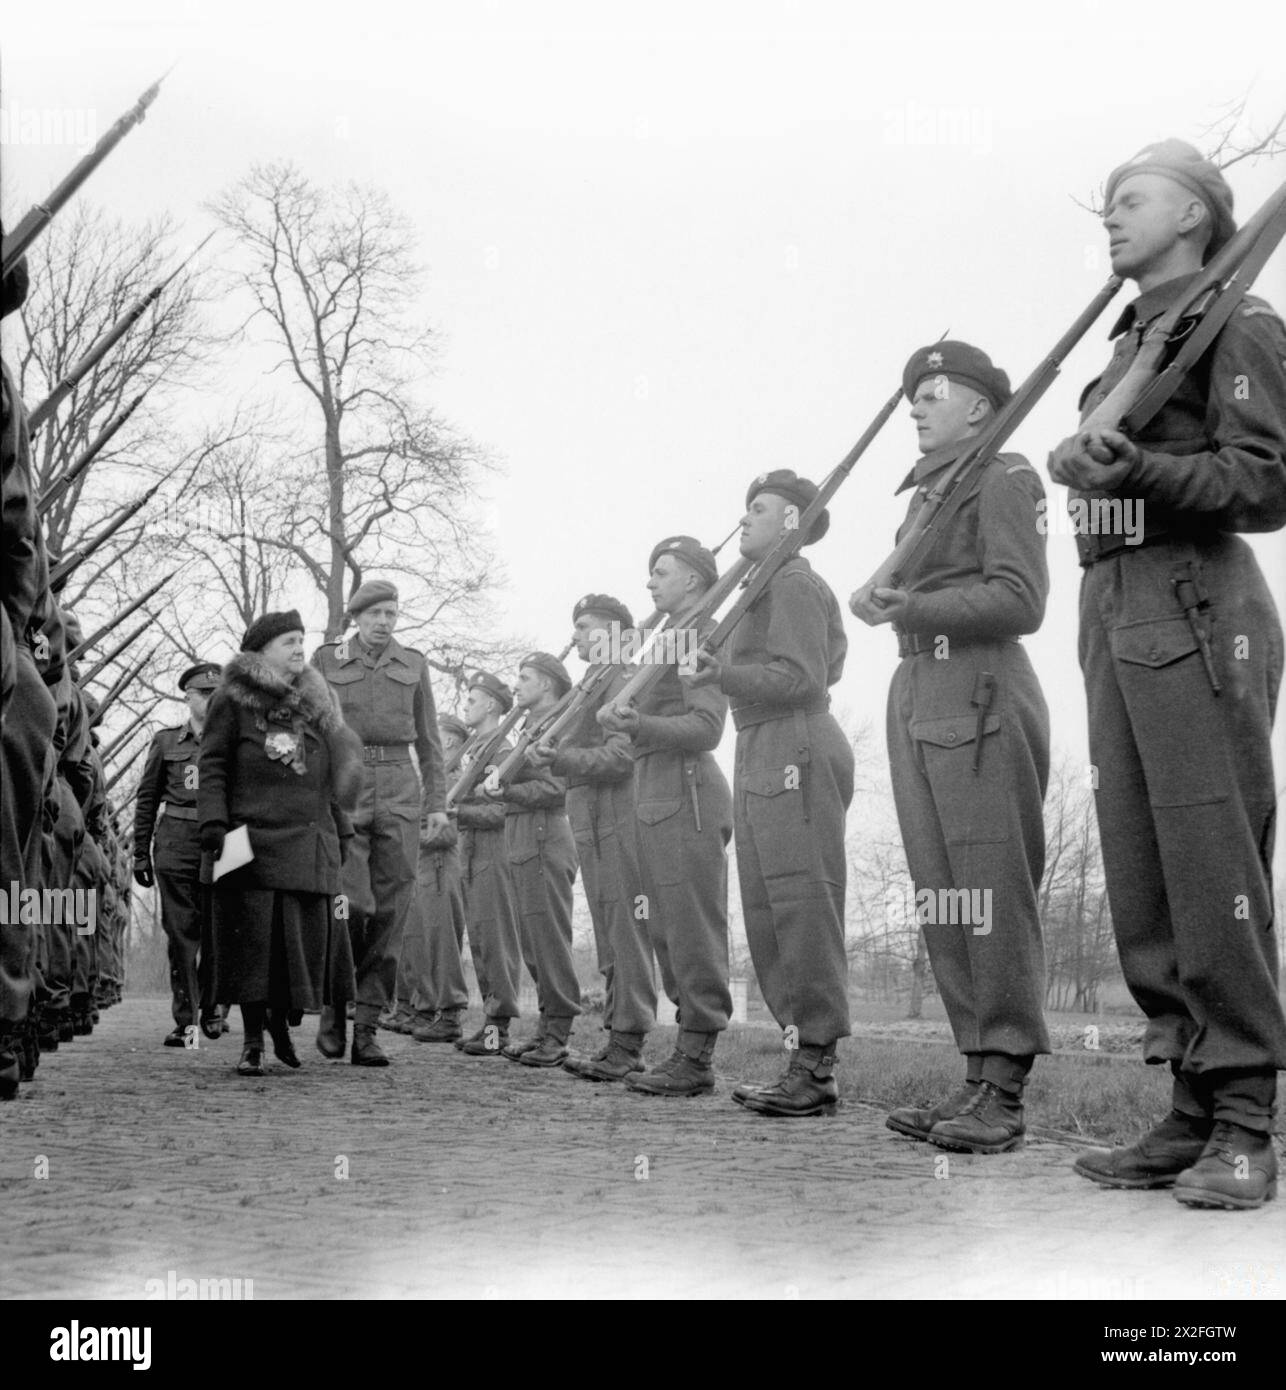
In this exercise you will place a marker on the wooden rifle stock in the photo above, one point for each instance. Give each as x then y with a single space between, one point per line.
1205 307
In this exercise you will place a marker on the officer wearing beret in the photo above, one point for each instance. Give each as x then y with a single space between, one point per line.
170 781
542 869
968 735
488 890
598 764
792 783
684 813
1181 649
386 698
431 984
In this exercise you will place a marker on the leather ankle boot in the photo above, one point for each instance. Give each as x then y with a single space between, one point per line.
991 1122
1153 1160
918 1123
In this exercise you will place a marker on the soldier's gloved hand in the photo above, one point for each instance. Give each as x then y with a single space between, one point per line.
709 670
435 823
143 875
876 606
443 838
617 720
212 838
1094 458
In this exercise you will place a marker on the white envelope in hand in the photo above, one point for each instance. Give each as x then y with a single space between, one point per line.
236 852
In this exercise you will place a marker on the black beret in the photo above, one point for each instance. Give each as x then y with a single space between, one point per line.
1185 164
548 665
263 630
493 686
605 605
691 552
452 725
960 362
800 492
205 675
373 591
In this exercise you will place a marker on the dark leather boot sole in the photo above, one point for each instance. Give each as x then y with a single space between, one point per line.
1145 1182
251 1063
1221 1201
963 1146
332 1052
762 1106
637 1088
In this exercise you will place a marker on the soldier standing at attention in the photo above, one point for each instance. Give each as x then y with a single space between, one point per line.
684 811
431 981
384 692
170 777
542 869
488 891
968 735
792 783
1181 649
598 765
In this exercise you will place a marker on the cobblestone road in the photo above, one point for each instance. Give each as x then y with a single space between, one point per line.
485 1179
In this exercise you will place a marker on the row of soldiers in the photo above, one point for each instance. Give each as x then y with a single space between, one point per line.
64 860
1182 653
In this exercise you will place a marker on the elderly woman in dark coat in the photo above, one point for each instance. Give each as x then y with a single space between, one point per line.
277 757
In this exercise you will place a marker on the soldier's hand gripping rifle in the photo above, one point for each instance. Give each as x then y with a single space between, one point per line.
948 494
101 348
40 216
1190 326
1192 323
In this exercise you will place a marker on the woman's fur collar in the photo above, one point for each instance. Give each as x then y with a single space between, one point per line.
252 683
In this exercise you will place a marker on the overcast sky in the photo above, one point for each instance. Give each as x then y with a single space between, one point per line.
671 250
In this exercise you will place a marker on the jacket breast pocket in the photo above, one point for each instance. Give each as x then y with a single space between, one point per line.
970 784
403 685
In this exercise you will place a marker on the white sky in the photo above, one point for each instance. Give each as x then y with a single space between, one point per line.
672 246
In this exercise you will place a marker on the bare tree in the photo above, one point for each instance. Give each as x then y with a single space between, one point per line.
383 481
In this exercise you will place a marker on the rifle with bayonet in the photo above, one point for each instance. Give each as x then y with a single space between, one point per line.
551 725
103 662
101 348
108 750
123 769
112 623
65 567
40 216
70 474
110 698
1194 321
949 493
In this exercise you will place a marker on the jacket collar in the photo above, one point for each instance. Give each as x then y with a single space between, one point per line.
1152 304
354 649
933 462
